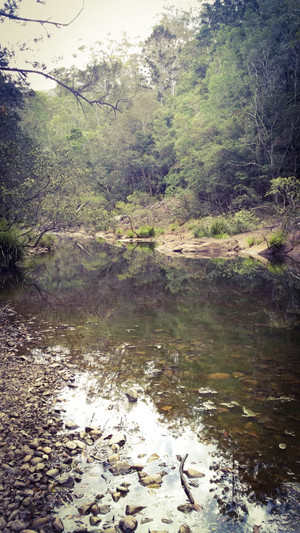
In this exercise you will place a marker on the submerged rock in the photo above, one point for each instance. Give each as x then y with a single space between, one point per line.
128 524
192 473
132 395
155 479
118 438
122 467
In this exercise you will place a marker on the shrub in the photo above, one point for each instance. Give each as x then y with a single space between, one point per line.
146 231
47 240
219 228
277 240
250 241
119 232
12 250
243 221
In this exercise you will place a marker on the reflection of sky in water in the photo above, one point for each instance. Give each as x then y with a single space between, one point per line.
147 434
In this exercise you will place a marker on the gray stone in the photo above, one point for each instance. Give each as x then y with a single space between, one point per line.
71 445
132 395
104 509
128 524
155 479
94 520
53 472
192 473
58 525
71 425
122 467
2 522
118 438
133 509
17 525
84 509
185 508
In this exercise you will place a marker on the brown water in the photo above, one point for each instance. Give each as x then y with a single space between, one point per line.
212 347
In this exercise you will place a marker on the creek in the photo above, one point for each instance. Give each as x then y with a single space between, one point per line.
211 347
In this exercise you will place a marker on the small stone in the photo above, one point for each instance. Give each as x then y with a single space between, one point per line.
114 458
155 479
185 508
66 480
118 438
40 467
95 509
128 524
192 473
79 444
2 522
58 525
34 444
84 509
35 460
104 509
71 425
94 520
132 395
38 523
122 488
122 467
71 445
184 529
17 525
53 472
133 509
116 496
47 450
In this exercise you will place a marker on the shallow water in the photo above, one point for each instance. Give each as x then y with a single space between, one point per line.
213 349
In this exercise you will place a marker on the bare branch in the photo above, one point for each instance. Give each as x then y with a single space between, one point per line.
78 95
41 21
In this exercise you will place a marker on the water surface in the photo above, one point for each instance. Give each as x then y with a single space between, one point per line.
213 349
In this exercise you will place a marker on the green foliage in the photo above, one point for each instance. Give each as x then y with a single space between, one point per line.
242 221
277 240
286 192
47 241
219 228
146 231
250 241
12 248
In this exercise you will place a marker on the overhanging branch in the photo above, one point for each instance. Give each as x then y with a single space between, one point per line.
78 95
40 21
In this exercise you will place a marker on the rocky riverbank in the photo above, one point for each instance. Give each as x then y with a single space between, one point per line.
42 456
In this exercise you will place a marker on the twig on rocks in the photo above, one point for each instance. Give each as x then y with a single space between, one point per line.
183 481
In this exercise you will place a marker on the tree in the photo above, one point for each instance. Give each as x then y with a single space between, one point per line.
10 11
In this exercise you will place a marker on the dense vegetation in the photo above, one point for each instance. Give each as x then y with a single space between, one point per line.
208 111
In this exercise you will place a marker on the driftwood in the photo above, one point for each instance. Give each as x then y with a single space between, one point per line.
183 481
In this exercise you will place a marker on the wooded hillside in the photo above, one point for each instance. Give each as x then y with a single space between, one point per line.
207 110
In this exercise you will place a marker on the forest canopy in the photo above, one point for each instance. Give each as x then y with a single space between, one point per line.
208 112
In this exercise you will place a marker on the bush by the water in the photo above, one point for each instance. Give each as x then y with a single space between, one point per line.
277 240
12 249
222 227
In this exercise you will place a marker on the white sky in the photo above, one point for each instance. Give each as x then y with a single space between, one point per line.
98 19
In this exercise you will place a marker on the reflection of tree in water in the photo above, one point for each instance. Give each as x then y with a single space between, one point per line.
203 315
